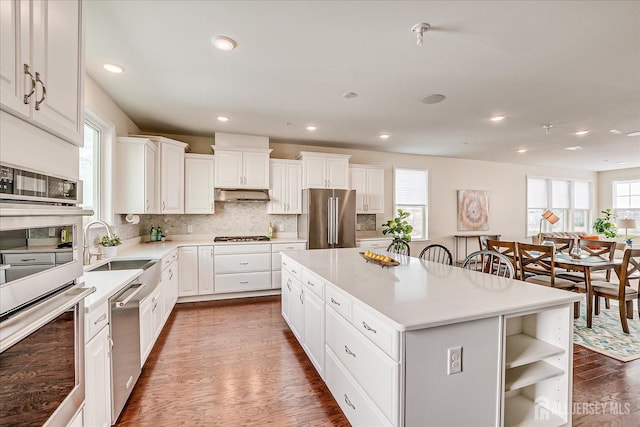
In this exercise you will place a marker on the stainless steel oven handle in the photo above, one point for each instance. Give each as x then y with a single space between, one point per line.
129 294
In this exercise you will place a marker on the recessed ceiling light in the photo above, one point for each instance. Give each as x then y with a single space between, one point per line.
522 150
497 118
433 99
113 68
636 133
616 131
311 128
349 95
582 132
574 148
385 135
224 43
223 119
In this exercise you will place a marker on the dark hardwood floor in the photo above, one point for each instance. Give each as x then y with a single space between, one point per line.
236 363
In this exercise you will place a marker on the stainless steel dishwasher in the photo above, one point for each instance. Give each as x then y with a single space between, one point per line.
125 334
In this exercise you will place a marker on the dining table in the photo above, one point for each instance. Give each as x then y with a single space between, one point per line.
586 264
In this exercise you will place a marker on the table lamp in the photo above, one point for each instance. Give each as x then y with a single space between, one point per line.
627 223
550 217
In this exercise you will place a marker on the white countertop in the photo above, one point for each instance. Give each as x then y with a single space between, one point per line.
107 283
421 294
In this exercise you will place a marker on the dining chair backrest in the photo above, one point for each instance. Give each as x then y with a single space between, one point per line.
630 267
535 259
601 248
506 248
437 253
491 262
562 244
400 247
482 240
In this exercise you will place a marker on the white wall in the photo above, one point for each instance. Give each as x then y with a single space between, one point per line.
605 185
100 103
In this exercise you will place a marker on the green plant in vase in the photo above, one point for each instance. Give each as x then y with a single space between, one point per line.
398 227
605 225
107 242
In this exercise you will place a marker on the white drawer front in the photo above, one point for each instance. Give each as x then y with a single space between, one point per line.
62 257
242 249
30 258
338 301
168 259
276 279
278 247
242 282
242 263
378 245
313 282
372 327
96 320
292 267
376 373
358 408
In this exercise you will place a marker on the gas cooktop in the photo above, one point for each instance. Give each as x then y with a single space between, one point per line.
240 239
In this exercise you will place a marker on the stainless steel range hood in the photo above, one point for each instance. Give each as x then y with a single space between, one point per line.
230 195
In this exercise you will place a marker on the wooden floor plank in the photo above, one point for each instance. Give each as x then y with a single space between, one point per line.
236 363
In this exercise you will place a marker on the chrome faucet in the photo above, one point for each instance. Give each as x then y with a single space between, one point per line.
86 253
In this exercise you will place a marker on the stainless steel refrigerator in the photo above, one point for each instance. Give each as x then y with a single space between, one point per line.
328 218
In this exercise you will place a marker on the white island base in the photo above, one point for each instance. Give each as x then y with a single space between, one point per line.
426 344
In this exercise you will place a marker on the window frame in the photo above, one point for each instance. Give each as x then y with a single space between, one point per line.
425 222
616 210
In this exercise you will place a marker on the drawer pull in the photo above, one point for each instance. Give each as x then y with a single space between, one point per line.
349 352
335 302
284 263
244 282
310 283
289 247
27 259
348 402
100 319
244 263
368 328
293 271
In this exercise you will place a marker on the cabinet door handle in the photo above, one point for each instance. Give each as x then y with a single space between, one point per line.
349 352
289 247
368 328
26 99
110 346
100 319
171 274
335 302
244 282
147 205
301 296
244 263
289 284
154 307
163 205
44 91
348 402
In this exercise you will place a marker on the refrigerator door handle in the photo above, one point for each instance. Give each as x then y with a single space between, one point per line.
330 221
336 223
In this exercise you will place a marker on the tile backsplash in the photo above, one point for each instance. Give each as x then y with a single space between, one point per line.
367 222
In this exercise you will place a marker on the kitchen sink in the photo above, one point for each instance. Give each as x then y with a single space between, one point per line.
125 264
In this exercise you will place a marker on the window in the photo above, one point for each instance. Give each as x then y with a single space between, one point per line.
411 195
570 200
626 200
90 170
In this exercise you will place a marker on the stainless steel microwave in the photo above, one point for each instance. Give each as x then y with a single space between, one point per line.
22 185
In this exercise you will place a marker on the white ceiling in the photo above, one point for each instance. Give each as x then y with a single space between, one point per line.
574 64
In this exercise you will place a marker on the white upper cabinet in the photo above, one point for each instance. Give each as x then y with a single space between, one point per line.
41 64
321 170
136 175
198 184
286 187
241 167
368 181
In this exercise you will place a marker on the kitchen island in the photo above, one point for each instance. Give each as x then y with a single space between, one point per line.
430 344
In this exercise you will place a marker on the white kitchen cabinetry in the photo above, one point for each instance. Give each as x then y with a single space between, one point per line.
150 320
171 176
205 270
376 245
97 368
240 268
322 170
169 285
276 260
368 181
241 167
198 184
136 174
292 304
41 63
285 190
196 270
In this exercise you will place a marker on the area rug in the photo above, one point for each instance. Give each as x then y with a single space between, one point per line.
606 336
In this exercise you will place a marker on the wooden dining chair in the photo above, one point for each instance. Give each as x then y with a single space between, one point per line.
506 248
490 262
536 262
400 247
596 248
482 240
622 291
562 244
437 253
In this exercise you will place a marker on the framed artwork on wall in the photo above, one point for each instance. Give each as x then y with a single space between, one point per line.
473 210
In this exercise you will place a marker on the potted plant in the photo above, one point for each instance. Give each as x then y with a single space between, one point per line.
398 227
109 246
605 225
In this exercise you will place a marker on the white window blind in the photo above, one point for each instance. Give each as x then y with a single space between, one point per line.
411 195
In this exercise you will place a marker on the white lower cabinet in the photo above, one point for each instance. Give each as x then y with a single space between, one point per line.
276 260
313 314
98 380
150 320
292 304
241 268
169 292
196 270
